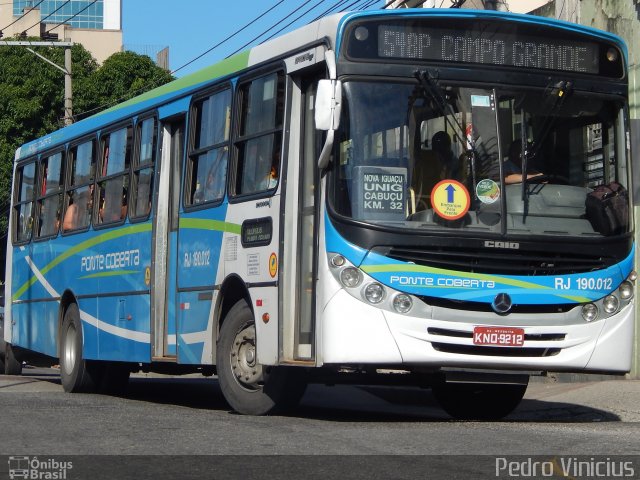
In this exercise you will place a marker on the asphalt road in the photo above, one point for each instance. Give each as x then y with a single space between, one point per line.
171 416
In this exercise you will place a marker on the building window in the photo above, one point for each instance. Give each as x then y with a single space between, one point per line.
62 11
259 144
209 154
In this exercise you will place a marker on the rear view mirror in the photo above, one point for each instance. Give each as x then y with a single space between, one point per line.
328 104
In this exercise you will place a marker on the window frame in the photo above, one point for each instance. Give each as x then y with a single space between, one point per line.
125 172
70 187
136 167
194 153
16 205
240 139
40 197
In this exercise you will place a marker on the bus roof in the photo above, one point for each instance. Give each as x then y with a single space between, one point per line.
330 28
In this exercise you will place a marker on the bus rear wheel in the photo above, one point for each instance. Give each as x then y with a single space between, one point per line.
249 387
478 401
76 373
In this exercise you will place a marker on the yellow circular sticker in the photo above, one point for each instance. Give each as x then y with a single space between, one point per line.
450 199
147 276
273 265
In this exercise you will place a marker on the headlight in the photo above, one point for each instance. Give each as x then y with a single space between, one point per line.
402 303
626 290
350 277
610 303
589 312
338 261
374 293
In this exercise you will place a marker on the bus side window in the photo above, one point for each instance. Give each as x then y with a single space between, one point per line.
209 153
144 162
79 201
259 145
50 197
23 205
113 184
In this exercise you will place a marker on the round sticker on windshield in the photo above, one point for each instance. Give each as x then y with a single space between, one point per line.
450 199
487 191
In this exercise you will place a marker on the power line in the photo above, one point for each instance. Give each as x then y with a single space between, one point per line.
23 15
337 5
275 25
330 10
43 19
228 38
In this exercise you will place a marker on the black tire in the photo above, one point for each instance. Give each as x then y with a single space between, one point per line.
76 373
11 365
249 387
478 401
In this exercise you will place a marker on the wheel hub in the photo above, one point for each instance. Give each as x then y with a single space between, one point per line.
69 353
245 368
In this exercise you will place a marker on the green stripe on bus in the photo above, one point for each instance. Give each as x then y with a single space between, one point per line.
114 273
214 225
105 237
221 69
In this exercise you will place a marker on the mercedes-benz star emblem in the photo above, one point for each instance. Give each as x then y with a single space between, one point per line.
502 303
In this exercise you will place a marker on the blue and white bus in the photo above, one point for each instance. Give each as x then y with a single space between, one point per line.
427 197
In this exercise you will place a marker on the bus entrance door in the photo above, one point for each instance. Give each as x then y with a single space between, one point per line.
165 232
301 233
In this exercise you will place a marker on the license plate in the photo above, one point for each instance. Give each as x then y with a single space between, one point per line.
498 336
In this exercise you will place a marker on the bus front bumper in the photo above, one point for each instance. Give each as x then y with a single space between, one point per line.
353 332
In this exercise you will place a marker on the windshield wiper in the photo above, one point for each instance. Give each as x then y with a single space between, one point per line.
554 101
433 90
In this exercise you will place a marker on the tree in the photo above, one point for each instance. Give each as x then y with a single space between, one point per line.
122 76
32 102
32 97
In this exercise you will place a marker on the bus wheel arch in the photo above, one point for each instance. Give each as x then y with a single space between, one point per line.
249 387
233 290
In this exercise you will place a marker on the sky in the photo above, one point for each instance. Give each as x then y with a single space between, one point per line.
191 27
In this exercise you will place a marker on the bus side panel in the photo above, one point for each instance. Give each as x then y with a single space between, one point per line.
195 324
36 326
258 262
108 264
123 332
198 271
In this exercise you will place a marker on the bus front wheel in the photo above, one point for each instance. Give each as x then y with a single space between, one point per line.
249 387
478 401
76 373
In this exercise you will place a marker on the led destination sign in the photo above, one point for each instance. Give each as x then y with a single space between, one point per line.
486 43
496 49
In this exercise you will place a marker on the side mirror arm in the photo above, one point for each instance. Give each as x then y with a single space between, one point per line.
328 108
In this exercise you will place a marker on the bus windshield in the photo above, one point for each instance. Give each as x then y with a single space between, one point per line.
428 156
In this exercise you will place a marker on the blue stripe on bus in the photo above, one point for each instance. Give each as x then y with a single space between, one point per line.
457 285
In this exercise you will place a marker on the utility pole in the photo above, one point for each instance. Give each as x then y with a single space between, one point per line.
67 44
